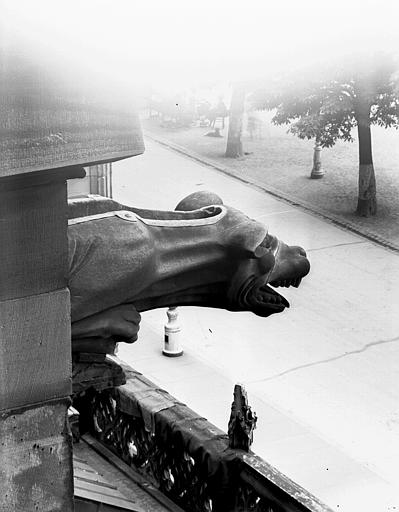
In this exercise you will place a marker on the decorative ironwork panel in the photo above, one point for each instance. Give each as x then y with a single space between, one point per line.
184 455
165 464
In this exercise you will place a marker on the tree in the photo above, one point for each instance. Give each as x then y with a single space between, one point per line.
329 108
234 143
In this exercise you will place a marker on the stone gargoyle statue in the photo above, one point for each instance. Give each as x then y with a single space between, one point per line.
124 260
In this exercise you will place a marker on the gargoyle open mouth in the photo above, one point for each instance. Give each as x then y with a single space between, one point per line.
268 297
274 300
266 300
281 267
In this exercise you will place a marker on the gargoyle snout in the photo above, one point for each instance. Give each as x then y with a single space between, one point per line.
300 250
291 266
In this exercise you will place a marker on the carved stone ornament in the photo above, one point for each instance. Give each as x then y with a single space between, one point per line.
123 260
242 420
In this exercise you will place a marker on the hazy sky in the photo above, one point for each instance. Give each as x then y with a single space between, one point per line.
175 43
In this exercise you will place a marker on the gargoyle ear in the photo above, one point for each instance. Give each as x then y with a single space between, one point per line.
248 239
260 251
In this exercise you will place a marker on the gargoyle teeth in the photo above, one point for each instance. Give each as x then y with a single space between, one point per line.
286 283
271 299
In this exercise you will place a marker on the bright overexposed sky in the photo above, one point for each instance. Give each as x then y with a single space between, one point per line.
180 43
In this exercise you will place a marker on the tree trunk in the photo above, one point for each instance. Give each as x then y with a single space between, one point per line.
367 199
234 144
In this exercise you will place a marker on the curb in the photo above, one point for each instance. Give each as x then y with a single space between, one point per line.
304 205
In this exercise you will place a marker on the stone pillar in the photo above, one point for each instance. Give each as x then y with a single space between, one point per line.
35 347
317 171
51 124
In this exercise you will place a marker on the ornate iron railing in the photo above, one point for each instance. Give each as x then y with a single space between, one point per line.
181 453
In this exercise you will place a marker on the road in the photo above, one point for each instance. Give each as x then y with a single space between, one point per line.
322 376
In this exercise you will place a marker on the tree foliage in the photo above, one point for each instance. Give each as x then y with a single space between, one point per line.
326 108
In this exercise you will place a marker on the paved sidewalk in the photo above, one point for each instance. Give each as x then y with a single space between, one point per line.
322 376
280 165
